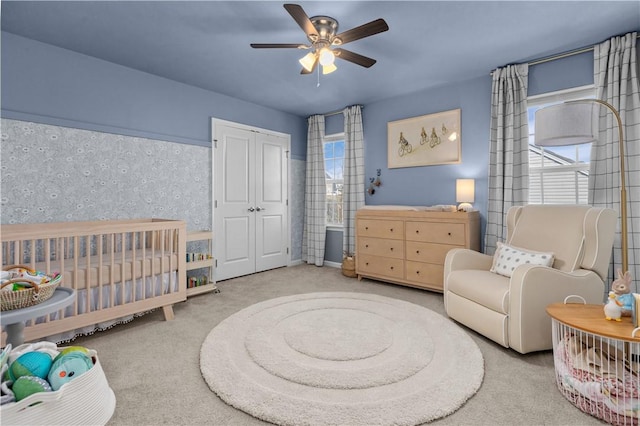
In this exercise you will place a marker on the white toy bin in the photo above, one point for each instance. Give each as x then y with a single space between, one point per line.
86 400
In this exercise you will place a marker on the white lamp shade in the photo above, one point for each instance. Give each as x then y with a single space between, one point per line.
326 56
328 69
308 60
570 123
465 190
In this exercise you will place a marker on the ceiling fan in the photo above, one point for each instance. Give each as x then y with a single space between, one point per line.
322 33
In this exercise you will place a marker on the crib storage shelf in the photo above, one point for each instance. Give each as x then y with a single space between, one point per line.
208 262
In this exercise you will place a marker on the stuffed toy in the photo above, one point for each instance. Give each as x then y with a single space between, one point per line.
622 288
613 308
30 364
28 385
67 366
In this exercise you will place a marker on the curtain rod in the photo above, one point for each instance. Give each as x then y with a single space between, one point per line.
336 112
562 55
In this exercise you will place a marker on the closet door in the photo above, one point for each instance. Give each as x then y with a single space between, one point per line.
251 223
234 205
271 202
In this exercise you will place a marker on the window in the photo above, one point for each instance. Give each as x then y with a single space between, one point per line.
558 175
333 168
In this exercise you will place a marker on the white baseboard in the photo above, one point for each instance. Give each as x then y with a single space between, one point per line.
326 263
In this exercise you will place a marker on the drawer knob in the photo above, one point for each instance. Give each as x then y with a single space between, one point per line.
417 251
417 272
366 228
449 233
392 268
367 263
417 232
391 249
366 245
391 229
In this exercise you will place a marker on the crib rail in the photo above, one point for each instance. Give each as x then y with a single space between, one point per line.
116 267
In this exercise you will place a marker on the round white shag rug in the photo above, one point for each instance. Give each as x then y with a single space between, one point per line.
341 359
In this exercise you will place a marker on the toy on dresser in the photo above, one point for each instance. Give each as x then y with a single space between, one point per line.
613 308
40 367
622 289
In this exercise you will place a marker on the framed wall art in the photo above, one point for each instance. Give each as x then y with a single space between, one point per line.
424 141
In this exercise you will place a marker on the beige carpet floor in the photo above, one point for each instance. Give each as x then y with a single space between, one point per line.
153 365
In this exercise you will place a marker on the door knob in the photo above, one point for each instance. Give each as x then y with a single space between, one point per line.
261 208
251 209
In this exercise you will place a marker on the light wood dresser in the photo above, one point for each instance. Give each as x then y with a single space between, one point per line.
408 247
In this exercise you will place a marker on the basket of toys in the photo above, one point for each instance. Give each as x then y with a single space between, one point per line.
45 384
22 287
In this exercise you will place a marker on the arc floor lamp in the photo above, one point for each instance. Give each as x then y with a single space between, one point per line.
574 123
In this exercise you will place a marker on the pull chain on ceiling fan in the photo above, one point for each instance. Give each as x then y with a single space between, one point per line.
322 33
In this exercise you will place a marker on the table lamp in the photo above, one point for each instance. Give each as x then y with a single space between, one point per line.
465 194
574 123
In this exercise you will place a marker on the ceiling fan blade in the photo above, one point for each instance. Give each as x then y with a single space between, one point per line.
313 68
356 58
366 30
278 46
299 15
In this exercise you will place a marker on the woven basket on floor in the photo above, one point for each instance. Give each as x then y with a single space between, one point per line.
349 266
86 400
34 294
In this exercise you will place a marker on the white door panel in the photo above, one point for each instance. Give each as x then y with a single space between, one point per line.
251 228
237 232
271 190
270 243
234 225
237 170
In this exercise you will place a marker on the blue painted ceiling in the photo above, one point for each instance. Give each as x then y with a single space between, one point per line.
429 43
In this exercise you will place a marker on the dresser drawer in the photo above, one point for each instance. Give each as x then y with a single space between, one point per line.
425 273
393 229
381 247
379 266
428 252
433 232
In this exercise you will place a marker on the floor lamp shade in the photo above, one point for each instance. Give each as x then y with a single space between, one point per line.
567 124
574 123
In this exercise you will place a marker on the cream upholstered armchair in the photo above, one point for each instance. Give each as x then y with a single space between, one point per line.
511 310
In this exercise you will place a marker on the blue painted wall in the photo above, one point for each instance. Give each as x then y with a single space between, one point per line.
47 84
431 185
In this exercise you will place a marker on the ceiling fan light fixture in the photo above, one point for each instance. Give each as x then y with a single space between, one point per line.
308 60
322 33
328 69
327 57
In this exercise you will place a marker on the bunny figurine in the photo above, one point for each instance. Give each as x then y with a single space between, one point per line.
613 308
622 288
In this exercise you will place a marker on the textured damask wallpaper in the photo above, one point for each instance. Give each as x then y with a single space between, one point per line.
59 174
